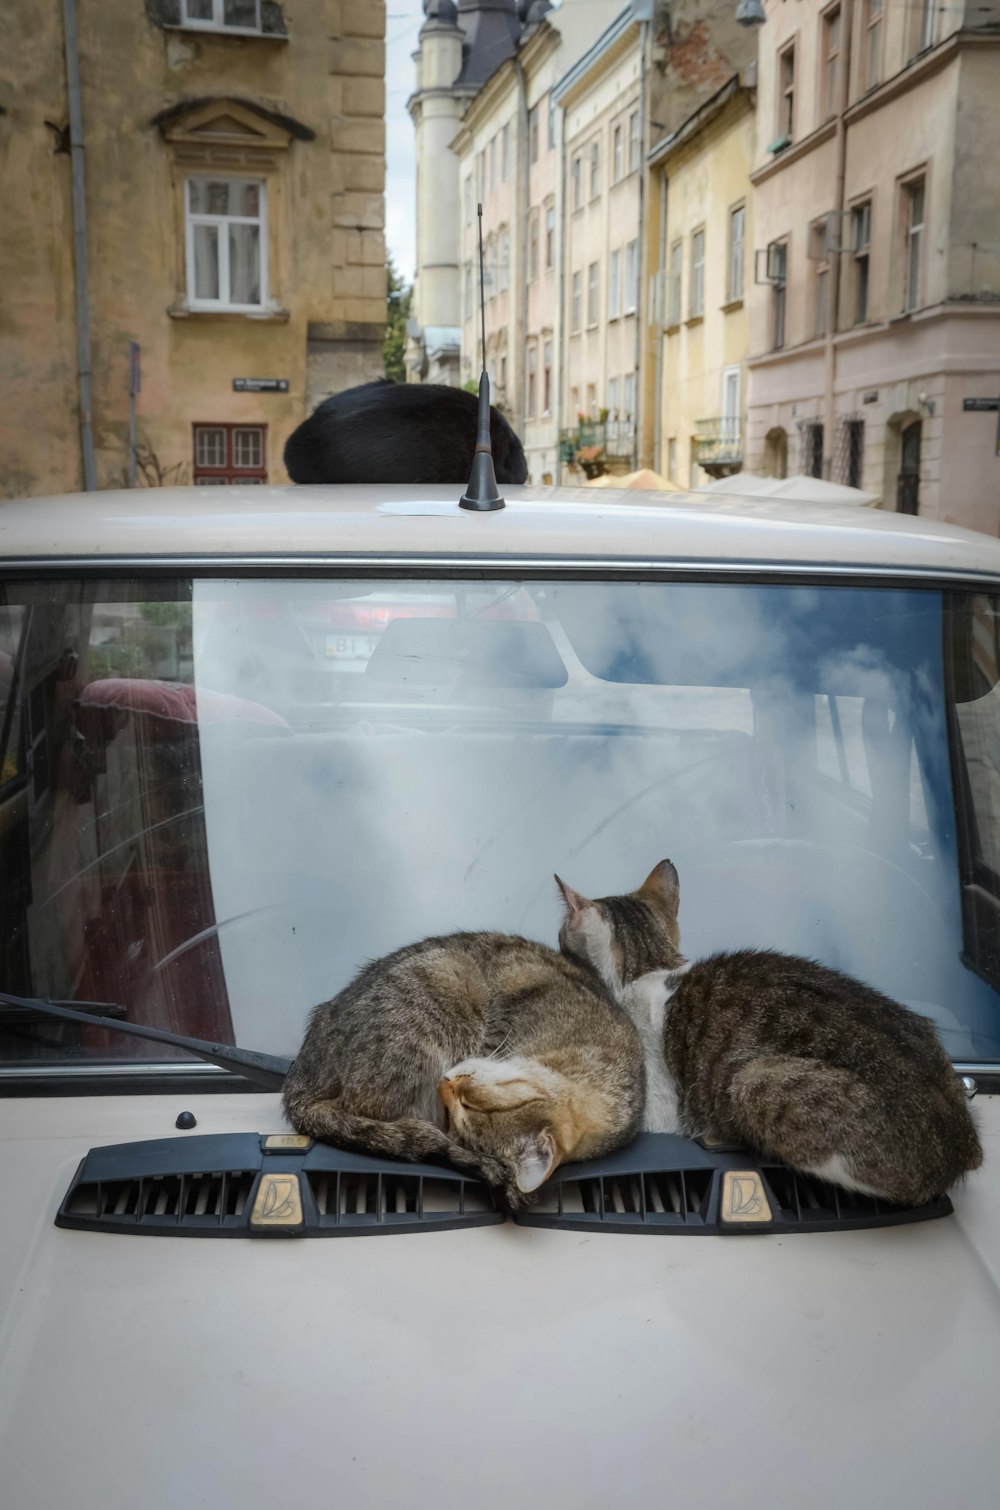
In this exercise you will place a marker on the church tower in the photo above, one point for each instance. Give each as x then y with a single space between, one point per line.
462 44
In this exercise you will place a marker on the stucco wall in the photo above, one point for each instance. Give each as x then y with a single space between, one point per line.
325 208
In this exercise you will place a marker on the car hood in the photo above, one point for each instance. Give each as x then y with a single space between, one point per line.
487 1366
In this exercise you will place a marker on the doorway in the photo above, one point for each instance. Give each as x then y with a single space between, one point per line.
908 479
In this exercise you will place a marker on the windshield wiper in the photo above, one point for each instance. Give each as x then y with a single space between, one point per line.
267 1070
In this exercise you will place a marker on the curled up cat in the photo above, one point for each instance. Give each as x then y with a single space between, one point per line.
491 1052
779 1054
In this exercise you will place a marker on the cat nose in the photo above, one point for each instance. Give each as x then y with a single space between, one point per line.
446 1091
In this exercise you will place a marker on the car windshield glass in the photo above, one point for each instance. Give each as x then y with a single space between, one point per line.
219 798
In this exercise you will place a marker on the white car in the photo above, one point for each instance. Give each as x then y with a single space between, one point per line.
250 741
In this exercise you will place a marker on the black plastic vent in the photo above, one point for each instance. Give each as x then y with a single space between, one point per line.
667 1184
253 1185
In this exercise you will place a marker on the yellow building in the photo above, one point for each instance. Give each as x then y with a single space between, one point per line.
700 207
211 222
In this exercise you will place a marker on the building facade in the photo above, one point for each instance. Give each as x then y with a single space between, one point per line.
210 233
700 199
875 309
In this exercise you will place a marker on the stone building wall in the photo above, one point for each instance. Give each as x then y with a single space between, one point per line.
297 108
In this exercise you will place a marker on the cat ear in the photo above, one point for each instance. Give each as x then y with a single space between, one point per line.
664 884
536 1161
574 901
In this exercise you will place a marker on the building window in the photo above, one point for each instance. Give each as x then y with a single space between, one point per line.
872 55
533 133
777 270
672 459
532 381
577 175
786 93
577 305
229 453
552 122
831 60
550 237
490 262
820 256
547 377
221 15
504 269
504 153
631 277
696 293
226 236
468 200
674 284
628 400
618 154
593 292
595 169
812 449
614 285
493 163
634 142
481 175
469 311
855 451
729 430
533 247
737 257
861 243
928 24
613 399
914 203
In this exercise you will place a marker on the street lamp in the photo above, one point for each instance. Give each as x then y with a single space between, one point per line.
750 13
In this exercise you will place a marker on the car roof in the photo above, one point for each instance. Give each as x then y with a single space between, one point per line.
398 525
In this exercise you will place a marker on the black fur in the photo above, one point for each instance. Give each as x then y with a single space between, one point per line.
399 432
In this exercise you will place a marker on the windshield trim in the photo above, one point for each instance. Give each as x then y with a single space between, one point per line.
463 564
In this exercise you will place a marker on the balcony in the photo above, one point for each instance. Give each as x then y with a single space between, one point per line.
719 445
597 445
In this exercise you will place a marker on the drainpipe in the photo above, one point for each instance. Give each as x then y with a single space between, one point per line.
83 361
521 291
657 462
641 244
833 312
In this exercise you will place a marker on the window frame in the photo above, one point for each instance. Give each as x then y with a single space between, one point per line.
593 294
736 287
634 142
550 236
205 475
871 54
831 58
222 222
675 280
617 152
913 232
595 169
696 284
614 284
861 257
630 293
785 92
217 23
576 303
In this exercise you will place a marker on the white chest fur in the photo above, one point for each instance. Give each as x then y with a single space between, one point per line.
646 1000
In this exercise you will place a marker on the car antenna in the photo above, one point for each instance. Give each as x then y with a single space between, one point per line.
482 494
266 1070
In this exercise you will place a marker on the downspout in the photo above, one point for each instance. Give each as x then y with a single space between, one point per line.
833 314
641 248
561 296
657 460
80 267
521 210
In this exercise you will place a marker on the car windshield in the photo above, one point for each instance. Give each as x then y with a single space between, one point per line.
219 798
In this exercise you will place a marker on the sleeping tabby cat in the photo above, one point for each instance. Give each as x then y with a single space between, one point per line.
520 1052
779 1054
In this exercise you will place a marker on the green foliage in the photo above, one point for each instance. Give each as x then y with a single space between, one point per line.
394 342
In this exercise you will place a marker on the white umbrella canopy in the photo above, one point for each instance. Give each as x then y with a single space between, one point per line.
799 489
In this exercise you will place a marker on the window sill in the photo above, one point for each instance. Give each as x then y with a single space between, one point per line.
672 328
630 313
731 305
613 319
594 325
694 320
182 311
244 33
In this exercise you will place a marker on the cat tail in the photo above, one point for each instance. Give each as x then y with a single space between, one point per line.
831 1123
408 1138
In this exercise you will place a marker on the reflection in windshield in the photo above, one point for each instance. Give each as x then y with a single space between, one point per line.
221 797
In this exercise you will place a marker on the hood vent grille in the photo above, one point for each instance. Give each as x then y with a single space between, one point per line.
667 1184
277 1185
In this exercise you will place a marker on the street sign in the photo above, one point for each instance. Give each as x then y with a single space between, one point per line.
980 405
260 385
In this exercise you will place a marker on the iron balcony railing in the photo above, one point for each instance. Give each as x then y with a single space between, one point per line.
613 437
719 442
